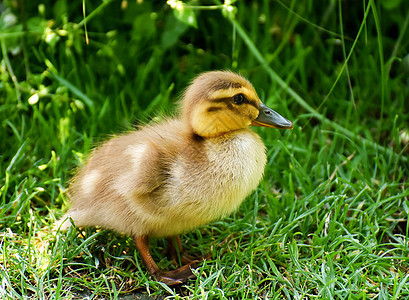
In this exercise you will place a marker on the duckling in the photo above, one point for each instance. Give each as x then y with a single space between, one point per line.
170 177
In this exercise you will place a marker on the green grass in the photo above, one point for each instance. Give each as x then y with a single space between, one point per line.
329 219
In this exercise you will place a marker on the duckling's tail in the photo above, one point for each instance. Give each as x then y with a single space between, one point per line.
66 221
63 224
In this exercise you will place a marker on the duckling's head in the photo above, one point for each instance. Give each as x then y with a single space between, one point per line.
219 102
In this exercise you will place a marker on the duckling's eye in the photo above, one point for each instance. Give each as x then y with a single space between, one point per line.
239 99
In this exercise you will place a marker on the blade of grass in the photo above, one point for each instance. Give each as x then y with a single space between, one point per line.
94 12
9 68
85 22
381 62
88 101
309 22
397 45
344 66
344 52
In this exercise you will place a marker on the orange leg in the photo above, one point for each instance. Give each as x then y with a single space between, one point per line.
174 277
175 249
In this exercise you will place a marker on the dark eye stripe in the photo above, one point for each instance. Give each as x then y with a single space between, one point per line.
253 103
228 101
210 109
220 100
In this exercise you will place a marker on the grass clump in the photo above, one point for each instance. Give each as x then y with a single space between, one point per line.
328 221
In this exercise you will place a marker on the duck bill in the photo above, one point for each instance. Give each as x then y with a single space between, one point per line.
269 118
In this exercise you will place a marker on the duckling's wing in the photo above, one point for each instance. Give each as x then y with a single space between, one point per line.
142 170
121 176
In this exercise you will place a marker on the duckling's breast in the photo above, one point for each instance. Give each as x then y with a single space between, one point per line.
211 178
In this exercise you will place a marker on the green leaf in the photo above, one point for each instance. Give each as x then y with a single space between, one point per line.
173 30
405 205
390 4
186 16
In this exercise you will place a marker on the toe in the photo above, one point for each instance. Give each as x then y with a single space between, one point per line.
177 276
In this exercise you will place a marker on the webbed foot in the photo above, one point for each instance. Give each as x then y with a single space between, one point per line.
177 276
